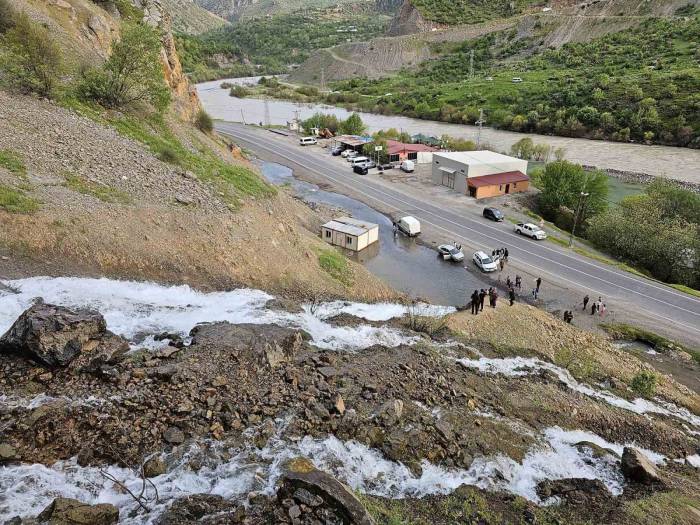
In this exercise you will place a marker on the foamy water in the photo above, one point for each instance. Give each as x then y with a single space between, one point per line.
136 308
523 366
27 489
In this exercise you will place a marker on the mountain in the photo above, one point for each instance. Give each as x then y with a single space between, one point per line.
188 17
235 9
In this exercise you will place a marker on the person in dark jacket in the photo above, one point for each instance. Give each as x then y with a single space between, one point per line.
475 302
539 283
585 302
511 295
505 253
495 297
482 297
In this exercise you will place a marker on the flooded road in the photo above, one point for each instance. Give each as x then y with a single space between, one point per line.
664 161
399 261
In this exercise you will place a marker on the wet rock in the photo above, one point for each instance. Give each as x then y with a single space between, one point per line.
174 436
67 511
284 305
85 456
7 452
300 473
574 491
52 335
154 466
598 451
637 468
305 497
193 509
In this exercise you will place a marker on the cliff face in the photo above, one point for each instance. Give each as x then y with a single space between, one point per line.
408 20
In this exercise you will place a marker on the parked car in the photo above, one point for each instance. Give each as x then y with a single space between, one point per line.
369 164
338 150
484 262
357 160
451 253
409 225
517 80
352 155
489 79
360 169
307 141
530 230
494 214
347 152
408 166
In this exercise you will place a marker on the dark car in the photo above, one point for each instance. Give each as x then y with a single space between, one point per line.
386 166
494 214
337 151
360 169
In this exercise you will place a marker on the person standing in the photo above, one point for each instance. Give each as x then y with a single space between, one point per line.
508 282
539 283
511 295
503 263
475 302
603 309
505 253
534 294
495 297
518 282
491 297
585 302
482 297
594 306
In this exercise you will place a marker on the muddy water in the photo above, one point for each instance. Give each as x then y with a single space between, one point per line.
399 261
666 161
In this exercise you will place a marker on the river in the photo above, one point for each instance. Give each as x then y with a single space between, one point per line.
664 161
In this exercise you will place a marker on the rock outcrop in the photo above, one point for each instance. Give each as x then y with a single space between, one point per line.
67 511
56 336
303 483
637 468
408 20
574 491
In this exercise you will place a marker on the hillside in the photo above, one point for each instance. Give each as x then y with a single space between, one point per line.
240 9
190 18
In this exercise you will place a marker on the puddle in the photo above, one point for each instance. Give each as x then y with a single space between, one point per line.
399 261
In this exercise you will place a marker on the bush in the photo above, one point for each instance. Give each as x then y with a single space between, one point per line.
133 72
7 16
644 383
204 121
32 59
238 91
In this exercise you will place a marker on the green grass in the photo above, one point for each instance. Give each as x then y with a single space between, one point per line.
103 193
336 265
686 289
15 201
13 162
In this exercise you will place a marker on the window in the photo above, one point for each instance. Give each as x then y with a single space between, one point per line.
393 158
448 179
412 155
328 234
348 239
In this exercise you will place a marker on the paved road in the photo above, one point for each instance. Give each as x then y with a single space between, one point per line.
664 306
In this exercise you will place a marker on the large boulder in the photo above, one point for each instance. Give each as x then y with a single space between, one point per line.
55 336
637 468
67 511
195 509
575 491
300 473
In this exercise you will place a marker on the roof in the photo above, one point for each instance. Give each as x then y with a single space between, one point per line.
410 220
394 146
354 140
477 157
497 178
350 226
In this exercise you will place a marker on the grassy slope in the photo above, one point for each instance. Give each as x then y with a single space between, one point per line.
645 80
453 12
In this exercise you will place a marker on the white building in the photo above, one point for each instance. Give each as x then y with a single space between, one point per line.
350 233
462 171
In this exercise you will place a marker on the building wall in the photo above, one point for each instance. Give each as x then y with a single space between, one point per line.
493 191
424 157
350 242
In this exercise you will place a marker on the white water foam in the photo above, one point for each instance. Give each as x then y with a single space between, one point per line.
380 311
694 460
136 308
27 489
522 366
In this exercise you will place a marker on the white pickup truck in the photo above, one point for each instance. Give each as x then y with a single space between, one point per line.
530 230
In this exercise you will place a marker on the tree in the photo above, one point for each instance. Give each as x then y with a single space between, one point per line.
523 149
321 121
133 72
562 184
353 125
32 60
204 122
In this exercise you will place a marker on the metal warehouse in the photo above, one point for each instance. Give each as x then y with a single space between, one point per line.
480 174
350 233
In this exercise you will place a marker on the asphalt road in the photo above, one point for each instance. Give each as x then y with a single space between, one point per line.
662 306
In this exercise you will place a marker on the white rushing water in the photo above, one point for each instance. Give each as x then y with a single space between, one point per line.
134 309
522 366
27 489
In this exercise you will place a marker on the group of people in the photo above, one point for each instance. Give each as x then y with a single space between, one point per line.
478 299
518 283
499 253
597 307
568 316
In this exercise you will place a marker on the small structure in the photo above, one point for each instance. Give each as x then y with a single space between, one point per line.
354 142
480 174
420 153
350 233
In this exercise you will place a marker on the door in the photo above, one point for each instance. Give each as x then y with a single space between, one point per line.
507 188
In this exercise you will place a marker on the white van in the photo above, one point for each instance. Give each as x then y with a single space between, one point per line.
409 225
306 141
517 80
357 160
408 166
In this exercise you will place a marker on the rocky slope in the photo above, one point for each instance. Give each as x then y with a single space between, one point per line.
189 17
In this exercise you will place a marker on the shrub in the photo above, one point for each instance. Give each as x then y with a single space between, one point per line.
12 162
644 383
204 121
238 91
169 155
7 16
15 201
32 59
132 73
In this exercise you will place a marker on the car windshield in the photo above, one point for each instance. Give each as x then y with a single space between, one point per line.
486 260
454 251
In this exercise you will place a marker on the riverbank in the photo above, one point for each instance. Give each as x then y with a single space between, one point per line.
681 164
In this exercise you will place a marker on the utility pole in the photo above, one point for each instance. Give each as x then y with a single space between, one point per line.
480 123
323 79
267 113
471 64
579 208
242 117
